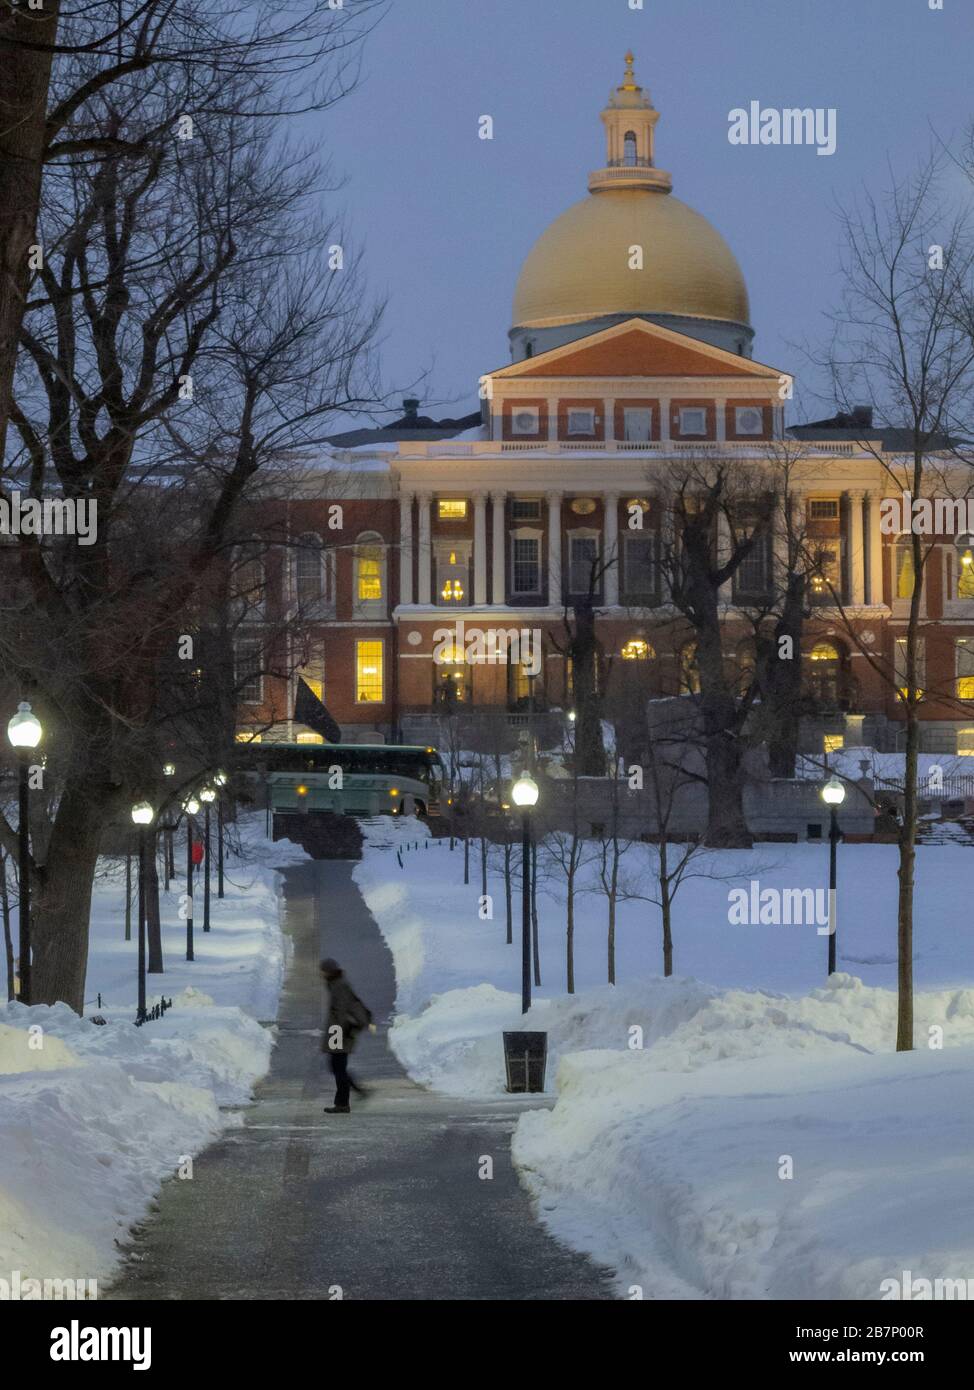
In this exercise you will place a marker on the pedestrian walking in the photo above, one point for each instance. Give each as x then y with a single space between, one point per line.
345 1019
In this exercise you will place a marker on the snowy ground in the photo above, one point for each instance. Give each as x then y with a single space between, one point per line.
92 1118
744 1130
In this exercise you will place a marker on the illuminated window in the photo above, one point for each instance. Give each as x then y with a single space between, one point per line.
638 649
368 673
965 573
965 743
965 668
905 577
452 509
899 652
247 736
825 675
309 738
689 672
825 579
370 587
452 576
833 743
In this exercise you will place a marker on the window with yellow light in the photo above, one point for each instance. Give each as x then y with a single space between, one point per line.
833 743
368 673
452 509
369 574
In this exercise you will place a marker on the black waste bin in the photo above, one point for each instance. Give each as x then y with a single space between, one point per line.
525 1058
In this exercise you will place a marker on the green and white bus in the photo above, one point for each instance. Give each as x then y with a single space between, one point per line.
356 779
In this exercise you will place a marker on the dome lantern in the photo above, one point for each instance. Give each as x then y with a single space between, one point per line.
630 124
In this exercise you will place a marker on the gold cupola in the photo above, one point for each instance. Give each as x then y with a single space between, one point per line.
582 275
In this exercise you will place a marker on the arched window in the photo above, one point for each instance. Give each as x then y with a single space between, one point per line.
311 570
689 672
825 674
629 149
370 576
248 581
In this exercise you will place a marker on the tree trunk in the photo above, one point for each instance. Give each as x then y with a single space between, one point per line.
726 825
570 937
781 683
25 75
589 747
507 892
534 912
666 908
153 929
908 830
61 900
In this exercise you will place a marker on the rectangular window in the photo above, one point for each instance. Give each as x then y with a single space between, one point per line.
581 422
823 509
637 424
693 421
641 577
900 667
753 576
452 509
825 581
526 509
526 419
368 673
584 554
369 575
965 668
748 419
247 672
833 743
904 576
526 567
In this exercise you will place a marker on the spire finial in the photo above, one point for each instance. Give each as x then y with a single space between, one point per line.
629 81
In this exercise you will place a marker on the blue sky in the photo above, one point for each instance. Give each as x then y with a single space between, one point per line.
445 219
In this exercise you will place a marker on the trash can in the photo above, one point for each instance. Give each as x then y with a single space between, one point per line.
525 1059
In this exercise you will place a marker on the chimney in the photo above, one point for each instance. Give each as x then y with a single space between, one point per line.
411 407
862 416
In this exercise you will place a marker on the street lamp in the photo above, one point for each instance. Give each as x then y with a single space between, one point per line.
833 794
169 867
219 781
24 732
207 796
191 806
524 794
142 814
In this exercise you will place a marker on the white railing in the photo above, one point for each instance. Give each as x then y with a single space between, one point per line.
486 448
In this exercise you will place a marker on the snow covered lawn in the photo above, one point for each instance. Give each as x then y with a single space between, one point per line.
745 1129
92 1118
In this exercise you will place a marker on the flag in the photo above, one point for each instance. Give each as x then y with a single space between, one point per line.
309 710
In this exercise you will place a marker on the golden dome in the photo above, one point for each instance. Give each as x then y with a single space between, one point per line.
580 267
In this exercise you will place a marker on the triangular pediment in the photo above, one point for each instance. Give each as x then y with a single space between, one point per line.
636 348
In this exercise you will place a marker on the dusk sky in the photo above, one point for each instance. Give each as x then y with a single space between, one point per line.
446 219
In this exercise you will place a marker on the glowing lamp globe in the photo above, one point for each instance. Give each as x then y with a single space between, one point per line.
191 806
169 770
142 813
833 793
524 793
207 794
24 730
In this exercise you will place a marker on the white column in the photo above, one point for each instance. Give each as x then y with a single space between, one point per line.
611 550
875 548
554 548
499 537
480 548
425 550
720 412
857 558
724 544
664 421
405 547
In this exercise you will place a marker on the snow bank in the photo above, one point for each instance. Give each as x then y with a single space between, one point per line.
94 1116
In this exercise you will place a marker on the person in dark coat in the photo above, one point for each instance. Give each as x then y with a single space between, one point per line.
346 1018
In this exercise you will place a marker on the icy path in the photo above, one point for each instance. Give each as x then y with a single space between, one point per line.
385 1203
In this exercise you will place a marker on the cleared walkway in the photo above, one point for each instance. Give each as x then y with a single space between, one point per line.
385 1203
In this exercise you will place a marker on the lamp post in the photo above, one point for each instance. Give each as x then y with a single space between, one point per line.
833 794
191 806
207 796
524 794
220 781
142 814
24 732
